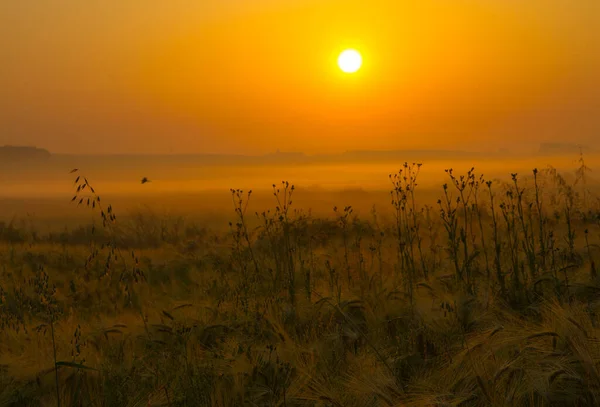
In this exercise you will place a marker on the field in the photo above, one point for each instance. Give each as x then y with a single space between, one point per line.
462 290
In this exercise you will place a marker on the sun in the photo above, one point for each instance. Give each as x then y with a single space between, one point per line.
350 61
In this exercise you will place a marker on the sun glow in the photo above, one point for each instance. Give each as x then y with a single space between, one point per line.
350 61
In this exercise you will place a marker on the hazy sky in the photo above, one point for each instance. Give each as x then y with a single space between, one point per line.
251 76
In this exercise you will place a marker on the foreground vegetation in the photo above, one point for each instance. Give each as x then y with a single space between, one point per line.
488 297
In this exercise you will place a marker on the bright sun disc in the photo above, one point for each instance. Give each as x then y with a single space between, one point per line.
350 61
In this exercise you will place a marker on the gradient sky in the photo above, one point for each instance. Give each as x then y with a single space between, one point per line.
251 76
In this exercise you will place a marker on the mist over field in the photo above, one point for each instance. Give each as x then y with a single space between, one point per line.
198 185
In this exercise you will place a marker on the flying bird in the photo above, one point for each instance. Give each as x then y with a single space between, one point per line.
144 180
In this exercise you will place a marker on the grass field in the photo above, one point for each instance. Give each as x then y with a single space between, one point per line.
478 293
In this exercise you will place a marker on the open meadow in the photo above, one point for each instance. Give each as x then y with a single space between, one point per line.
461 290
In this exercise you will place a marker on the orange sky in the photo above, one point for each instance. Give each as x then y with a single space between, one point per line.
251 76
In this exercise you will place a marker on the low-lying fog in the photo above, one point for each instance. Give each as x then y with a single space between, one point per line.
198 187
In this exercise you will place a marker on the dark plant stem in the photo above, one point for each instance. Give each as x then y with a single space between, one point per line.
55 365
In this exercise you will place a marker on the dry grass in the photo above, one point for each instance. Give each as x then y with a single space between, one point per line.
488 298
